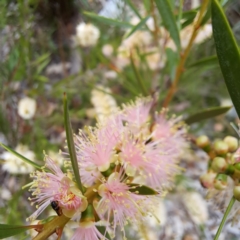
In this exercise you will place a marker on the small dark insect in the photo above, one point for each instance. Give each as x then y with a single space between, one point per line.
56 207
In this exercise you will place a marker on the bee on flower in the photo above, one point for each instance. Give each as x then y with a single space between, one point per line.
54 185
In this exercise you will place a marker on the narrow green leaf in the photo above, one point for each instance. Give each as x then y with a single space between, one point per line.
179 14
169 21
188 18
147 5
206 114
42 58
21 156
136 27
7 230
207 61
229 207
139 79
41 78
141 189
172 61
108 21
191 14
132 6
206 16
71 145
227 52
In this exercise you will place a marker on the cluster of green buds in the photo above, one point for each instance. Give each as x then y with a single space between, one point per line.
224 162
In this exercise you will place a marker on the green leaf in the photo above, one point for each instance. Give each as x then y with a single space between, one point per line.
71 145
141 189
132 6
227 52
42 58
172 61
139 78
41 78
108 21
206 16
206 114
226 213
136 27
21 157
169 21
191 14
7 230
207 61
147 5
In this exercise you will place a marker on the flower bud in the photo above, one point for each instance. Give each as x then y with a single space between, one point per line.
220 147
219 165
232 143
207 179
220 182
236 173
236 156
236 192
203 141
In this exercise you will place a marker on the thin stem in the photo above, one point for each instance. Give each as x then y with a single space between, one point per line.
71 144
185 54
224 218
155 31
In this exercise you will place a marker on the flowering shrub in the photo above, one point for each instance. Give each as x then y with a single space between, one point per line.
116 173
125 163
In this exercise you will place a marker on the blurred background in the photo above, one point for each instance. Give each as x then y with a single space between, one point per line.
104 54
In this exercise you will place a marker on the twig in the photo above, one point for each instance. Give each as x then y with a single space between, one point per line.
184 55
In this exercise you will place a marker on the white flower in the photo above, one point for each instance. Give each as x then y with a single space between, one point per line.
204 33
87 34
196 207
5 194
104 103
160 215
186 33
15 165
107 50
56 157
150 23
27 108
110 74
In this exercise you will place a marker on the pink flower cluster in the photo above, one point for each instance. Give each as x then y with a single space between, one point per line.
131 150
146 148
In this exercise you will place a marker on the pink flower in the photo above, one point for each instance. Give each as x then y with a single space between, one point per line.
118 202
97 150
55 186
163 150
170 132
137 114
87 231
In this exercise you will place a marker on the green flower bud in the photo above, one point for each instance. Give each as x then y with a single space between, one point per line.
236 192
219 165
232 143
207 179
236 173
202 141
220 182
220 147
237 166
